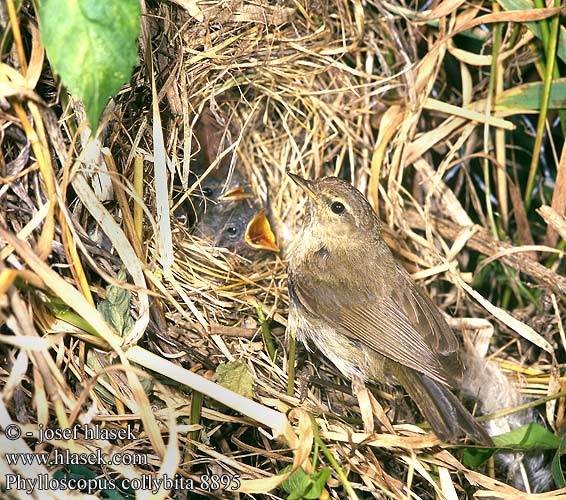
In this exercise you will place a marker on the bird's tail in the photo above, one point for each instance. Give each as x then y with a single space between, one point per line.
485 383
442 410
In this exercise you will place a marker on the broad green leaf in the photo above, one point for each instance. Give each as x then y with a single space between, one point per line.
115 308
318 483
474 457
77 472
535 25
530 437
528 97
91 45
112 494
300 486
295 482
236 377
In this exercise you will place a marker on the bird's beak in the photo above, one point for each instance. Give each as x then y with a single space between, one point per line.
304 184
236 194
259 234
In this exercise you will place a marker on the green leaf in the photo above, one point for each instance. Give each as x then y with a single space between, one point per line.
113 494
530 437
535 25
528 97
75 472
91 44
236 377
318 483
474 457
527 438
300 486
115 308
63 312
296 483
557 472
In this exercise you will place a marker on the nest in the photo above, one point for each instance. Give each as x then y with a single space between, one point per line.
380 94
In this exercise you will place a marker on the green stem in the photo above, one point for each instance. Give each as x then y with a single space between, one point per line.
335 465
291 364
196 412
266 334
552 259
506 297
549 71
544 34
517 409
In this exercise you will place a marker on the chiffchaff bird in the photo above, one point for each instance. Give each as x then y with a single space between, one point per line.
362 310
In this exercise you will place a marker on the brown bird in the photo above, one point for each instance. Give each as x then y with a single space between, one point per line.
362 310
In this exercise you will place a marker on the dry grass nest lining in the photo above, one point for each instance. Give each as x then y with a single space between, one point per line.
308 98
298 89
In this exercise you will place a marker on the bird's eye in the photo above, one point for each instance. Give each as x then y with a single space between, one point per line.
337 207
231 230
207 192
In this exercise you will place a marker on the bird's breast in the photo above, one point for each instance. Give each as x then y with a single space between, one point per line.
353 359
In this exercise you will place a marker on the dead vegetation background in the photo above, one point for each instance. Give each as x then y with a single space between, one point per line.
402 99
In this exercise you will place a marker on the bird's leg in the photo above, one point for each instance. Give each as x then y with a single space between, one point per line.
304 380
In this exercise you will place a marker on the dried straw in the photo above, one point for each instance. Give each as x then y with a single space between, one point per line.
364 90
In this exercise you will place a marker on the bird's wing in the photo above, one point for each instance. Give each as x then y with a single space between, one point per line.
403 325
